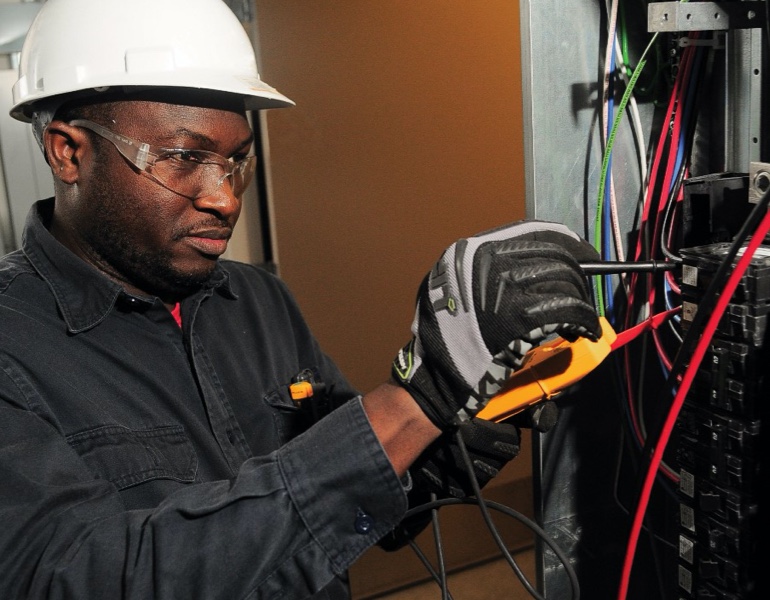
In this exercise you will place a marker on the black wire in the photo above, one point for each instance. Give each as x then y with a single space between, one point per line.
439 552
487 518
611 267
668 215
484 505
506 510
424 559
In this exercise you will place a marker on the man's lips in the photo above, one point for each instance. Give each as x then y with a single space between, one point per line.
209 241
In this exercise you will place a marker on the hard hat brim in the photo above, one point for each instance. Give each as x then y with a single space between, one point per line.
255 93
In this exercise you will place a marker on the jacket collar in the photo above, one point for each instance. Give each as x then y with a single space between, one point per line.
84 295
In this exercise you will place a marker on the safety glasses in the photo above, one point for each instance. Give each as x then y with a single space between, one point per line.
190 173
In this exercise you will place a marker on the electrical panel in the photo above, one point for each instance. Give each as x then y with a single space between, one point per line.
647 132
719 452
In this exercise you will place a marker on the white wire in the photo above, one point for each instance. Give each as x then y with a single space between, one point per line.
638 132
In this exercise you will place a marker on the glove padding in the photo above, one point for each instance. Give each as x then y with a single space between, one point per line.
488 301
442 470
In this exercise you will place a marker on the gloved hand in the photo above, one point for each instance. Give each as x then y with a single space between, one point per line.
440 470
488 300
490 447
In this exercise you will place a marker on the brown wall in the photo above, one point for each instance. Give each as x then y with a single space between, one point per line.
406 136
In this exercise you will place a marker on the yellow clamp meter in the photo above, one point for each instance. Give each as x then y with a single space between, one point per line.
547 370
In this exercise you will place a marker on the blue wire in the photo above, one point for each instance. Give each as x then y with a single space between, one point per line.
607 221
687 109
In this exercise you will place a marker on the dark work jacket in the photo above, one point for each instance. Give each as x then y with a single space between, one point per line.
141 460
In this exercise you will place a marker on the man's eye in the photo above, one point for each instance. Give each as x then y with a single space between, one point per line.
184 160
190 156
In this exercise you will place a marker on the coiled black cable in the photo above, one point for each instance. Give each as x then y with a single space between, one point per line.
484 506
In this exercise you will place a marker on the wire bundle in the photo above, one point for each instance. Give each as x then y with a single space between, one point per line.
639 297
645 297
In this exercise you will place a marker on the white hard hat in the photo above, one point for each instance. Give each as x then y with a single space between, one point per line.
75 46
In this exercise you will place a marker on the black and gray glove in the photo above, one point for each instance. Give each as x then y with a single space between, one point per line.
490 447
441 470
488 300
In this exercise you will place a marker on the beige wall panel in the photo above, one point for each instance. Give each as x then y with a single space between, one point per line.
405 137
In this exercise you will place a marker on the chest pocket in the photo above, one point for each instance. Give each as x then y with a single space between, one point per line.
289 418
127 457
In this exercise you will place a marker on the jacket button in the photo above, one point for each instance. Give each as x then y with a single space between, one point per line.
363 523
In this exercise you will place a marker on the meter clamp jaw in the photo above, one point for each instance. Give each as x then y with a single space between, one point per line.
547 370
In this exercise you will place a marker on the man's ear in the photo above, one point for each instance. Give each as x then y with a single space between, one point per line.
64 148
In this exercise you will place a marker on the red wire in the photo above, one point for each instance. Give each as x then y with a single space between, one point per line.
624 337
643 225
651 323
687 379
674 118
630 396
651 184
662 354
683 77
672 283
672 130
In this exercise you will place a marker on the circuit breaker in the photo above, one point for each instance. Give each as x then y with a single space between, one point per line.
647 131
720 450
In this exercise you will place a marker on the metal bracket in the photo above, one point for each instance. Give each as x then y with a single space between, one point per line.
759 180
705 16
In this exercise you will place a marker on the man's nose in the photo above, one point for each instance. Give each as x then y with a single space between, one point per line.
221 200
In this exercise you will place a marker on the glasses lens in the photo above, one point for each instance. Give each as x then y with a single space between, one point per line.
199 173
243 172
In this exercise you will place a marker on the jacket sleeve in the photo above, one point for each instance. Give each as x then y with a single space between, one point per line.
283 527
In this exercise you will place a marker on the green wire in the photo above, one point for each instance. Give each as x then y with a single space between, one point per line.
605 166
623 34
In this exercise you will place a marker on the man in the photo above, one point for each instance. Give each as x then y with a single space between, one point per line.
151 444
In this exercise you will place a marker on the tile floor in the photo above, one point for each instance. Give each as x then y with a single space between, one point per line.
494 580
